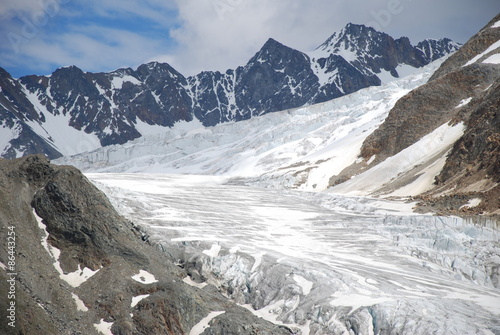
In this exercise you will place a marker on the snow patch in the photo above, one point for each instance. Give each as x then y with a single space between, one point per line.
304 283
214 251
144 277
496 25
136 299
472 203
464 102
400 164
117 82
200 327
269 313
372 158
78 277
7 135
74 279
493 59
425 180
57 132
191 282
492 47
258 260
104 327
80 305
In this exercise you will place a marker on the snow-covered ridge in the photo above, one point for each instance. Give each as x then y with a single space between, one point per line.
73 111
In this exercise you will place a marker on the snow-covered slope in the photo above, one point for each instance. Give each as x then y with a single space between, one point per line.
300 148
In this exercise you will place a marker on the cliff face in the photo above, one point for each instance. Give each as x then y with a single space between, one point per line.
74 266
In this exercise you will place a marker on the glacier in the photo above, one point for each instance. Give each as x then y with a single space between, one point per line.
247 207
317 262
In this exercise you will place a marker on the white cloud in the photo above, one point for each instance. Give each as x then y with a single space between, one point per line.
222 34
11 8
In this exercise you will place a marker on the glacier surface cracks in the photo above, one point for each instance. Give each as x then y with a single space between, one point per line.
320 263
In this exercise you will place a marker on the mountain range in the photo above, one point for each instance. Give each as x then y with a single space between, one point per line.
72 111
167 253
432 135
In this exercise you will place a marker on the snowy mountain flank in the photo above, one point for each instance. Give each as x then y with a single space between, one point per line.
72 111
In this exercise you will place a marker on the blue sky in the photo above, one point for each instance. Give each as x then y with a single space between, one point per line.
38 36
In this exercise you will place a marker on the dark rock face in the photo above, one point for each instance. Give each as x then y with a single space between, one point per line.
89 234
429 106
110 105
15 111
473 165
276 78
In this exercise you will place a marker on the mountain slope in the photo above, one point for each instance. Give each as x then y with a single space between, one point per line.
295 148
464 90
81 268
99 109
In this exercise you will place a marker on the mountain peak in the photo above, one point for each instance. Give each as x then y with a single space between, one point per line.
107 105
272 44
71 69
349 37
273 51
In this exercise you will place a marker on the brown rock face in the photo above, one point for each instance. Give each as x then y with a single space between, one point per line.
428 107
463 89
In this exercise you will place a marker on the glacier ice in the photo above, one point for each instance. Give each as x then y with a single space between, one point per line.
319 262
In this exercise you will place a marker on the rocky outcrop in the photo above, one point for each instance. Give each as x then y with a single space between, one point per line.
470 180
77 267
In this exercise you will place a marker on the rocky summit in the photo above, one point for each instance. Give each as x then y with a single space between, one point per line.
80 268
44 114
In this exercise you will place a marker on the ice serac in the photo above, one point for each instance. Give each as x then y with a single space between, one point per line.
320 262
123 105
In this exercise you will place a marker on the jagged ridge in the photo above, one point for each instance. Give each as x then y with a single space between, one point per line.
116 107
